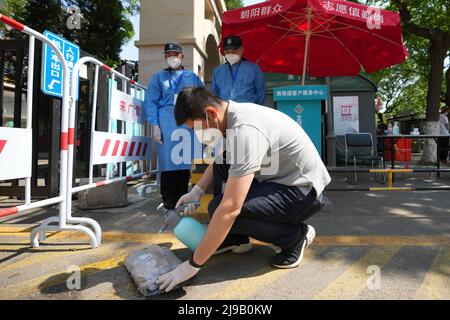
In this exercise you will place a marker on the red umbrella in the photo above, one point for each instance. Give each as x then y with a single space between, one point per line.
325 38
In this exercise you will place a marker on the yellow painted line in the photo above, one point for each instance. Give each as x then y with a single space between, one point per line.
47 281
420 241
436 285
350 284
249 284
50 280
119 236
374 240
391 189
38 256
391 170
16 228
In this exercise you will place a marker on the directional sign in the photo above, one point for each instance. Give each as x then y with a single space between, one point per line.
52 73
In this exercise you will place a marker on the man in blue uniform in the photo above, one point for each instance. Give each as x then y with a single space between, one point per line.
238 80
160 99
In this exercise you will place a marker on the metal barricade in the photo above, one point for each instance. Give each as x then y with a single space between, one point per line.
15 162
107 147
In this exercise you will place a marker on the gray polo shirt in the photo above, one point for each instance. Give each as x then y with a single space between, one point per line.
270 144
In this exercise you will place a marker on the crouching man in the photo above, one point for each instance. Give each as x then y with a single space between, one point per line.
269 180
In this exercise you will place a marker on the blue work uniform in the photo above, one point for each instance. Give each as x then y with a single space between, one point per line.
159 110
241 82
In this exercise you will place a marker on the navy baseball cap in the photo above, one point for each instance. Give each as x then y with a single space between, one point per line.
172 47
232 42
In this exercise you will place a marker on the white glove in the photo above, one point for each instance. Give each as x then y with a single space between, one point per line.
193 196
157 133
180 274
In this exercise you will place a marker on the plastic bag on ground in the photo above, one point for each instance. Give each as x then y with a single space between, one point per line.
146 265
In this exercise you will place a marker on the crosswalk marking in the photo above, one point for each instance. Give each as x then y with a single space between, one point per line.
244 287
349 285
354 279
47 281
436 284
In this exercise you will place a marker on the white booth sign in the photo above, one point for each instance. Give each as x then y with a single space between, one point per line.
346 115
15 153
125 107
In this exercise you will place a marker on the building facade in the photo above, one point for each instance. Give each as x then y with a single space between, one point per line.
195 24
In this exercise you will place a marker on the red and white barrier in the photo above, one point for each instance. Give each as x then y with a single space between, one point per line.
115 147
107 147
11 150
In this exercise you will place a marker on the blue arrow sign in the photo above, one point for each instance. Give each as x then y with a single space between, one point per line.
52 70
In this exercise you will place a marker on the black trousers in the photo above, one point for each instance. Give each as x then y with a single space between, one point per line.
174 184
271 212
443 148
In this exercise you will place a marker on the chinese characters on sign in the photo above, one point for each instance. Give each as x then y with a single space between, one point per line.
301 93
346 115
52 81
372 15
264 11
125 107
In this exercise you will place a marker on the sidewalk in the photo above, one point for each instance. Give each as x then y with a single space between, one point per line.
404 234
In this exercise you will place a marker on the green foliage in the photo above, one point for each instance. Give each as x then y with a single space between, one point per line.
404 87
234 4
105 24
12 9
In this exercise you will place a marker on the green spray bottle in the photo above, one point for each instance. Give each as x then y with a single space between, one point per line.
186 229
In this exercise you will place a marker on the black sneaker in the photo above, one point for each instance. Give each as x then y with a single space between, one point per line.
235 244
292 258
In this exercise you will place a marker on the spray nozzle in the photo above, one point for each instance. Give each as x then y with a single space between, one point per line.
172 216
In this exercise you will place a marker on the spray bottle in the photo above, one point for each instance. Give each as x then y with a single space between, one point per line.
186 229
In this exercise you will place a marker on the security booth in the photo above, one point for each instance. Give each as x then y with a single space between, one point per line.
304 105
348 107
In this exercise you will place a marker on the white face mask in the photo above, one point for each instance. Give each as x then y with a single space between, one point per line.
174 62
211 136
233 58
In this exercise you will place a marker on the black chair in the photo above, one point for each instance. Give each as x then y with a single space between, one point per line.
359 146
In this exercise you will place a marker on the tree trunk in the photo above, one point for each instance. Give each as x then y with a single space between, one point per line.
447 92
431 126
429 155
437 54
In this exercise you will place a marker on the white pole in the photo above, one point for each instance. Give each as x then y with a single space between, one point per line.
308 36
94 116
113 78
30 84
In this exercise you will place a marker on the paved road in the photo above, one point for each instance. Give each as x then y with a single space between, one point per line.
368 246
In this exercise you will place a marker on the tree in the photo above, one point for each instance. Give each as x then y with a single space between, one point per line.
430 20
12 9
105 24
234 4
